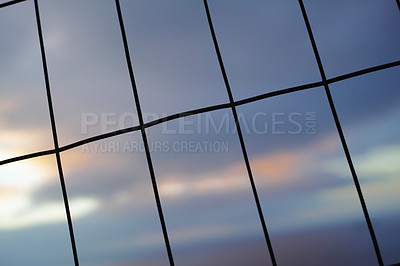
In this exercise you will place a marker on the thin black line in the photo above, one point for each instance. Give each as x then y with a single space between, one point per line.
342 138
279 92
204 110
142 129
187 113
99 137
239 131
27 156
55 139
145 125
117 133
363 72
221 106
11 3
232 104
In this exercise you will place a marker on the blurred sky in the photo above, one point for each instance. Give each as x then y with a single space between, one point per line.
305 187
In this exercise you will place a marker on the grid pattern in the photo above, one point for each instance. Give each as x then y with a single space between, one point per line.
232 104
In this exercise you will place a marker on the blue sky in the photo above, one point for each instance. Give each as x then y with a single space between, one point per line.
305 187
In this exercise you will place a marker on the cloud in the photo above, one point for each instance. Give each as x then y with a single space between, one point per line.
285 170
26 175
273 169
20 142
24 214
378 172
381 196
276 168
19 183
380 161
377 163
183 235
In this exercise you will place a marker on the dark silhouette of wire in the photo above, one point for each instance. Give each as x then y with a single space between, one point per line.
232 104
279 92
142 130
341 135
363 72
9 3
55 139
27 156
99 137
239 131
187 113
205 110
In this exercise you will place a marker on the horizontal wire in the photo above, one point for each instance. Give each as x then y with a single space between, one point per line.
279 92
187 113
363 72
9 3
99 137
204 110
319 83
27 156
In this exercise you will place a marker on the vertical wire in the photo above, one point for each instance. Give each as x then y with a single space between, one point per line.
341 135
55 138
239 131
143 132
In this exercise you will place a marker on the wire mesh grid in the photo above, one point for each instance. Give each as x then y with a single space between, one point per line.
232 105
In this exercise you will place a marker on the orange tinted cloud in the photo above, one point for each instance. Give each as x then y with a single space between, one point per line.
276 167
